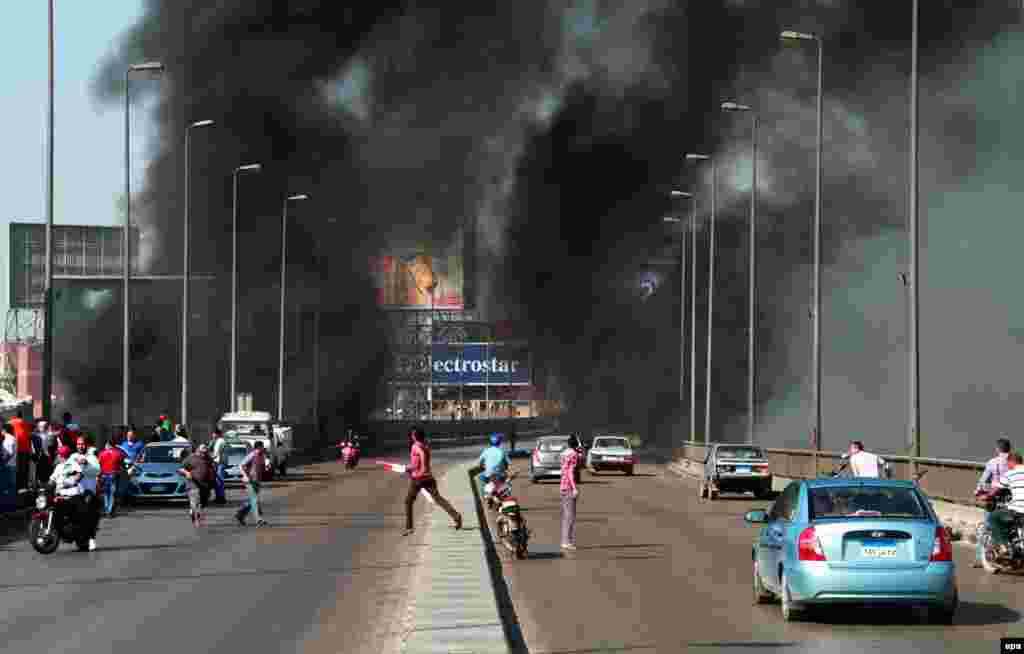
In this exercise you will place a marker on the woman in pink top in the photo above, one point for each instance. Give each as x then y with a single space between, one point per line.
423 480
569 492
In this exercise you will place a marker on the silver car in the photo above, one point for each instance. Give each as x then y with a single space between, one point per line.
611 453
736 468
546 460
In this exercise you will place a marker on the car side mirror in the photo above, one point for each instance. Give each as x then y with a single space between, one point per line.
758 516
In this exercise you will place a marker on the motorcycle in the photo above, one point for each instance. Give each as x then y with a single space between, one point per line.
495 492
350 455
46 530
1011 560
511 527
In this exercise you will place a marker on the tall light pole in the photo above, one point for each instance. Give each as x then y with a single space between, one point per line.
187 275
247 168
280 352
915 307
682 295
711 287
816 315
47 381
153 67
752 291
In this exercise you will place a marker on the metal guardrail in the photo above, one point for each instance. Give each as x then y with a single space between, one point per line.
951 480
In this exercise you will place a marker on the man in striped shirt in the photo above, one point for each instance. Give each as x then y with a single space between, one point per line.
1004 520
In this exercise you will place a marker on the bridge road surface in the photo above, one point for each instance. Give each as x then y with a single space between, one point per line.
658 570
330 574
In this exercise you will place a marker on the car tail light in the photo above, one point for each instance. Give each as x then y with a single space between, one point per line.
763 467
536 457
809 546
942 550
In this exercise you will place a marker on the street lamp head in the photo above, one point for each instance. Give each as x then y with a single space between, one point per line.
301 196
149 65
249 168
202 123
681 194
733 106
697 157
790 35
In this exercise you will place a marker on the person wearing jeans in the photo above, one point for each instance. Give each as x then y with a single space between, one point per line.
991 480
220 465
253 468
569 492
111 465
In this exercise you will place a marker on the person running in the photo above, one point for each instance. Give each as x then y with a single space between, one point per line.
254 469
570 460
198 469
422 479
220 462
111 465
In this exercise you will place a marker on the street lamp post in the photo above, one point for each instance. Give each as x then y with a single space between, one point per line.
915 307
752 291
711 287
155 67
682 296
186 275
47 381
255 168
816 337
280 352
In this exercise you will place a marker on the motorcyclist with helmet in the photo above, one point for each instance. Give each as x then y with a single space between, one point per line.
493 464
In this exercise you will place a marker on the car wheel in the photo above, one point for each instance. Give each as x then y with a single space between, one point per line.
945 613
702 490
712 494
629 471
790 613
82 544
761 594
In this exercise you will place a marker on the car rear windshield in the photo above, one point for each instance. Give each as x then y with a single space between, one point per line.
165 454
865 502
611 442
236 455
740 453
554 445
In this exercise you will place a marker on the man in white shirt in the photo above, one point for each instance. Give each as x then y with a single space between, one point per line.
9 469
1003 520
220 462
865 464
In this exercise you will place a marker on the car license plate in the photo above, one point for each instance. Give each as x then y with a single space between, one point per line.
882 549
743 470
617 459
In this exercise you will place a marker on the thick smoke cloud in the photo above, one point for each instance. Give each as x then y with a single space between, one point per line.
555 130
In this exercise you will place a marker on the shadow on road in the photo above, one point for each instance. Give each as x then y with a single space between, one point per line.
977 614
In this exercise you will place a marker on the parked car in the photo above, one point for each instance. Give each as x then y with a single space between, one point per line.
735 469
841 542
611 453
155 473
546 459
235 453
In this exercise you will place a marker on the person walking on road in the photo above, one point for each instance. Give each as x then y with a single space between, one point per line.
198 469
9 470
112 460
422 479
220 461
90 473
991 481
131 446
23 436
569 492
254 468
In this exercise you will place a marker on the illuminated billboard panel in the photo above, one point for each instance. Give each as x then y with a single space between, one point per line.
415 278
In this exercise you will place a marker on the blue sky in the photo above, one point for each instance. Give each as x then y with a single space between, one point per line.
89 138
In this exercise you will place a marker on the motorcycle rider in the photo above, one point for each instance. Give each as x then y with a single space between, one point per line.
493 463
990 483
1003 520
865 464
67 478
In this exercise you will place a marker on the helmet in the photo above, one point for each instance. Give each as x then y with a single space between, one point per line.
495 439
64 451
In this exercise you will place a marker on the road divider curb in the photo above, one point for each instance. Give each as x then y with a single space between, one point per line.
456 606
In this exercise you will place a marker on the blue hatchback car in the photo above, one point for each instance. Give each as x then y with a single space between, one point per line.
833 542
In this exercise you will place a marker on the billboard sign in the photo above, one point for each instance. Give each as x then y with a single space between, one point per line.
417 278
480 364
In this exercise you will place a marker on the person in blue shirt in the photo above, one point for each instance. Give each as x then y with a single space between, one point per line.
493 464
131 447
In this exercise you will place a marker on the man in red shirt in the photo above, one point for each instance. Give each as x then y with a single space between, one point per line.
422 479
112 461
23 434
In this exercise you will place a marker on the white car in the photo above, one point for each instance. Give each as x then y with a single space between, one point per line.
611 453
257 426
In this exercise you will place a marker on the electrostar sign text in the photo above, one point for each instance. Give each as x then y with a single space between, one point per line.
493 365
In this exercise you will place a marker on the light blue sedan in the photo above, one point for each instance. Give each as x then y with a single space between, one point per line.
830 542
